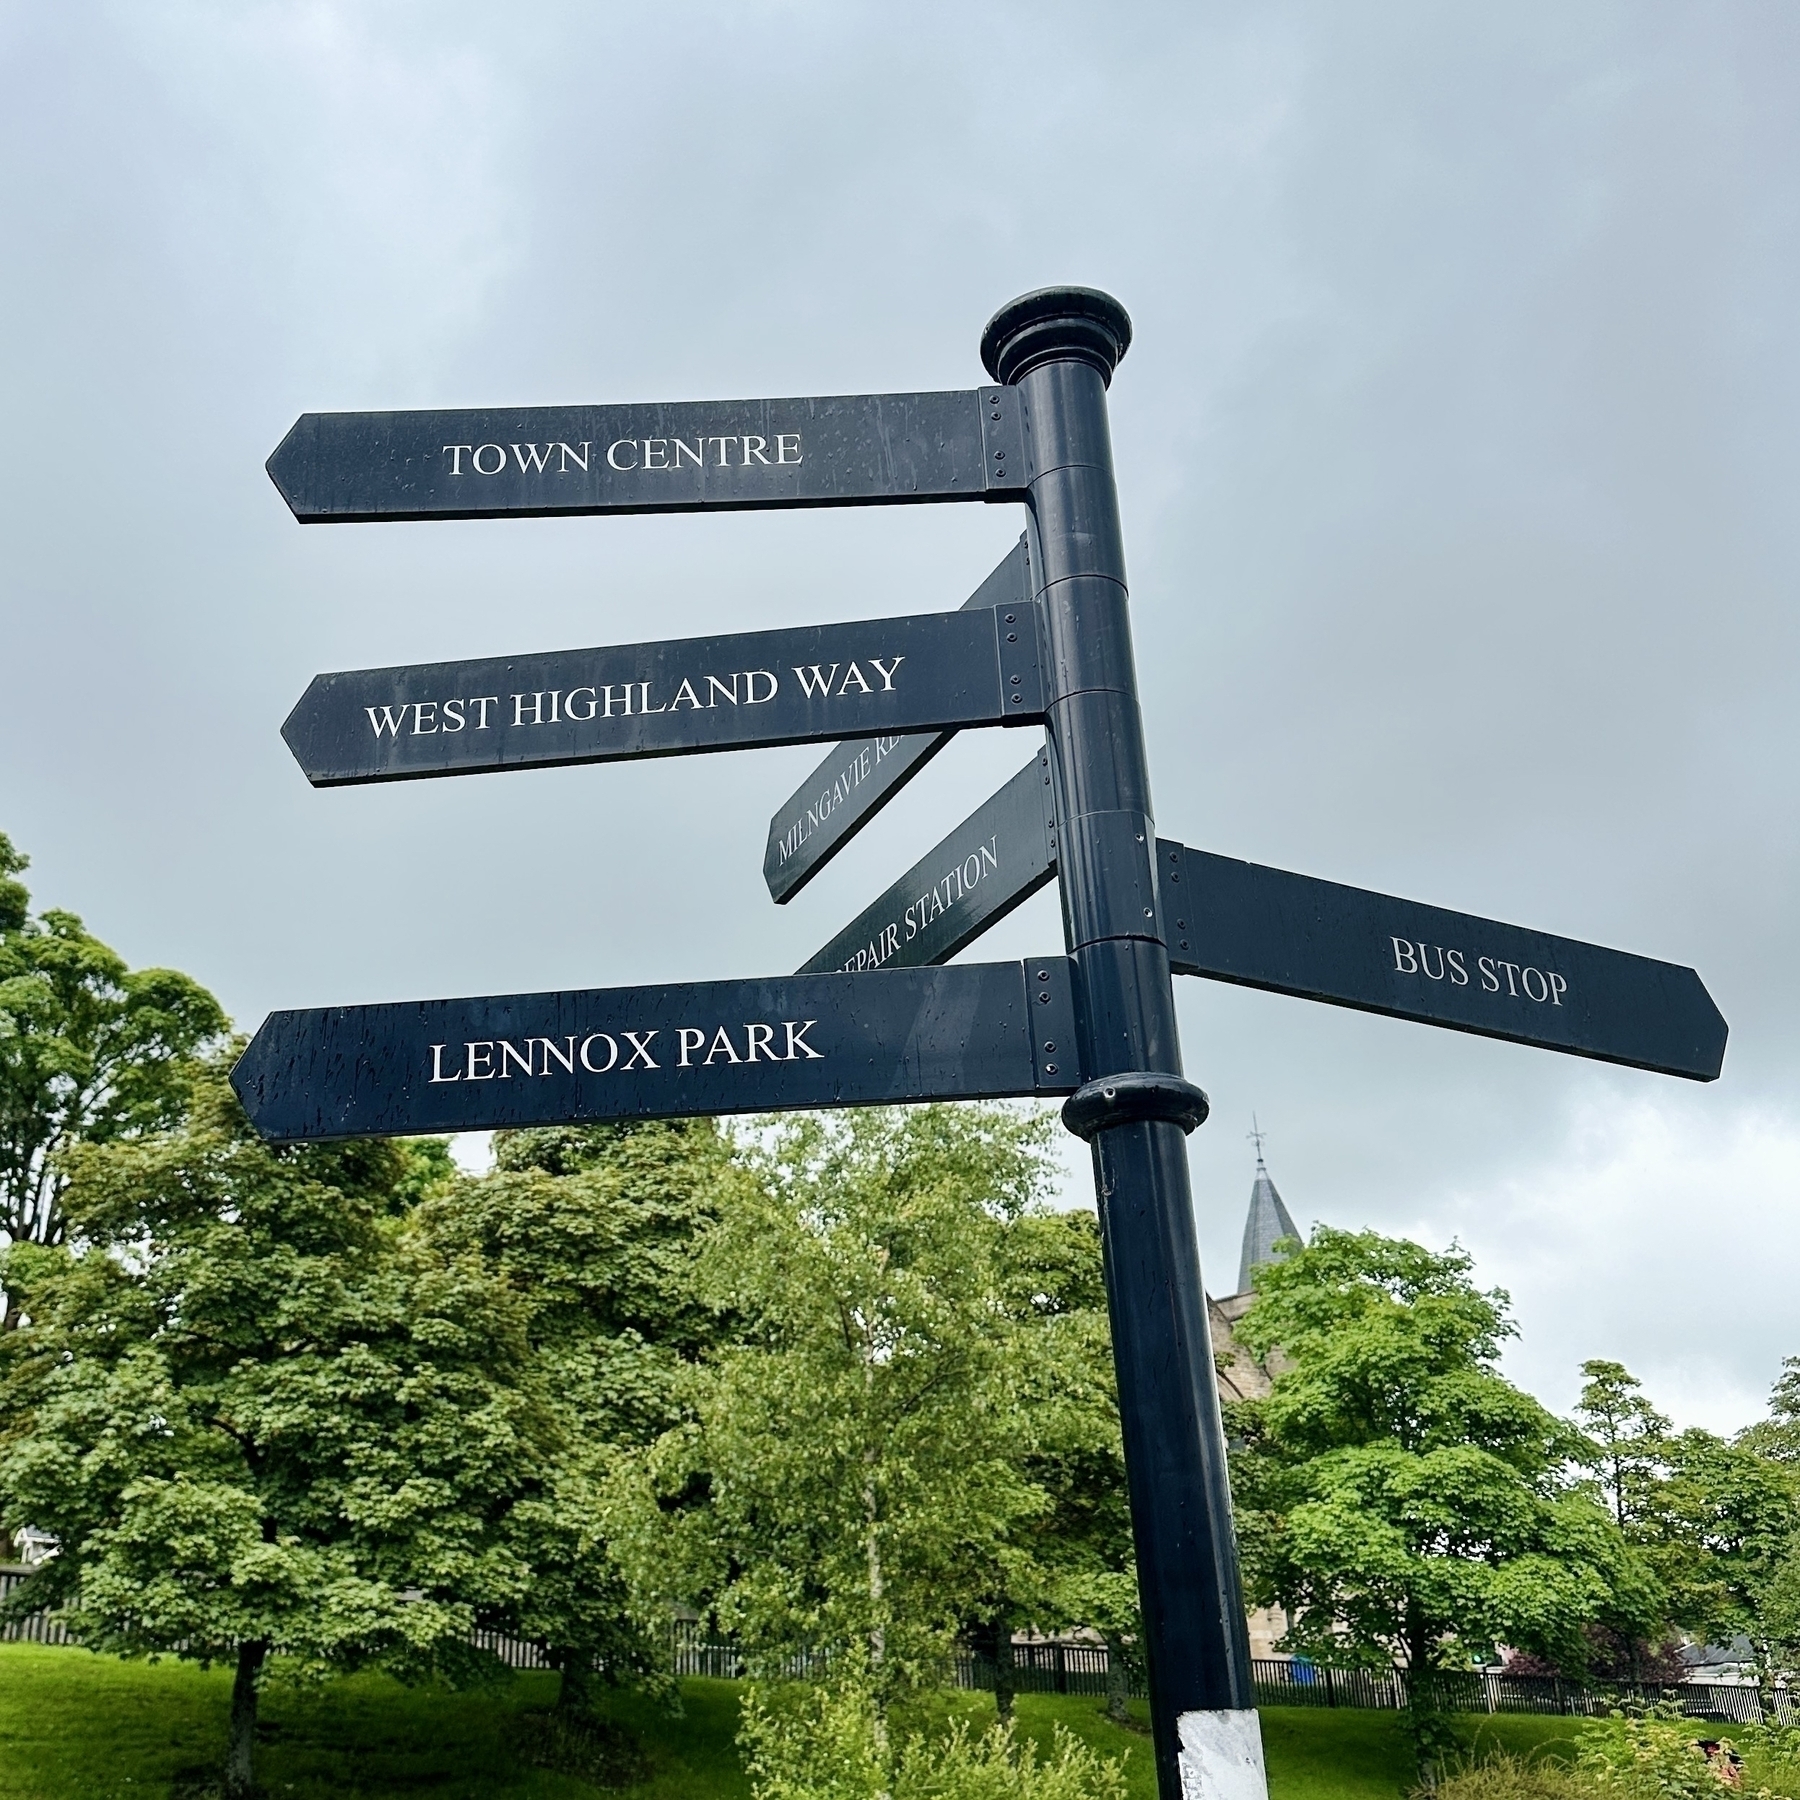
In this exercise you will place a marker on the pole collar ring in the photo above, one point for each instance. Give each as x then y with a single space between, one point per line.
1125 1099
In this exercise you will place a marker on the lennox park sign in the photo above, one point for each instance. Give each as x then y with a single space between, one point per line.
875 1017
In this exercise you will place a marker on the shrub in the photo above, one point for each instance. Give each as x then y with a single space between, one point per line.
1513 1778
1658 1755
828 1742
998 1766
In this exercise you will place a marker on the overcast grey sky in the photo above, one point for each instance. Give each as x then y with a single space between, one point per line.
1457 453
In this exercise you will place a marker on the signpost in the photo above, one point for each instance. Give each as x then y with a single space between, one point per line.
1319 940
859 777
873 1019
687 456
1291 934
986 1029
998 856
723 693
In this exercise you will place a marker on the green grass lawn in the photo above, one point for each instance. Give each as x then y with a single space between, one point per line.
74 1726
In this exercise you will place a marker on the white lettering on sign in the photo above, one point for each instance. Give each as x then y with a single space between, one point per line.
819 685
709 450
699 692
953 888
1493 975
604 1052
843 784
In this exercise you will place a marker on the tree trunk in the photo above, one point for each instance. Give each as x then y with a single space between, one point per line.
576 1693
881 1680
240 1756
1000 1644
1118 1685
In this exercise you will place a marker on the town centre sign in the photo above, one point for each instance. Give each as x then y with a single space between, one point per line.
874 1019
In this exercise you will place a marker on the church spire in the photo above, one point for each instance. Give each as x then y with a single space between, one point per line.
1269 1219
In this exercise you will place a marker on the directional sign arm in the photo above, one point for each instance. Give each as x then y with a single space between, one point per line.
686 456
860 776
997 857
932 670
1265 928
977 1031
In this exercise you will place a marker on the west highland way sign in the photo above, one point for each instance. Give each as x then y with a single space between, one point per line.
875 1019
936 672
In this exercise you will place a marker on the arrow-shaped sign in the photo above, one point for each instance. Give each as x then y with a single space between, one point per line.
684 456
932 670
859 777
1292 934
977 1031
997 857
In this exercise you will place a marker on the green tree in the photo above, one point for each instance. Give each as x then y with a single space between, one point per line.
89 1051
1399 1497
1069 1561
262 1415
595 1230
847 1480
1777 1438
1723 1530
1629 1438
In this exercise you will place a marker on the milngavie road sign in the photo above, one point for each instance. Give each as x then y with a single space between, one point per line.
721 693
687 456
982 1029
861 776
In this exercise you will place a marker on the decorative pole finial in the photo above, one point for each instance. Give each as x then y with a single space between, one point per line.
1256 1135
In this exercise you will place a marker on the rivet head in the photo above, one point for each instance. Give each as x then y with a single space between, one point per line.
1049 1068
1012 637
1018 699
1181 924
1043 974
1049 1046
1148 914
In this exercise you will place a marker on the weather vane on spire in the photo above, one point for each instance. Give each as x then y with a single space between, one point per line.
1256 1134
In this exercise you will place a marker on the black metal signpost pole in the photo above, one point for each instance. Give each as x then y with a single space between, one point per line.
1047 636
1058 348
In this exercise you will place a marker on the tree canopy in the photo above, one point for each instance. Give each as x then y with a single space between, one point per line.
261 1414
90 1051
849 1475
595 1232
1400 1498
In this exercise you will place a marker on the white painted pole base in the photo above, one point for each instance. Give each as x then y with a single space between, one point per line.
1222 1756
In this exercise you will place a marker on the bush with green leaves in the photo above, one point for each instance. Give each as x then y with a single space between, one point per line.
828 1741
1661 1754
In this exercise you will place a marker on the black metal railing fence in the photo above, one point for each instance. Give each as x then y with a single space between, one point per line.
1076 1666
